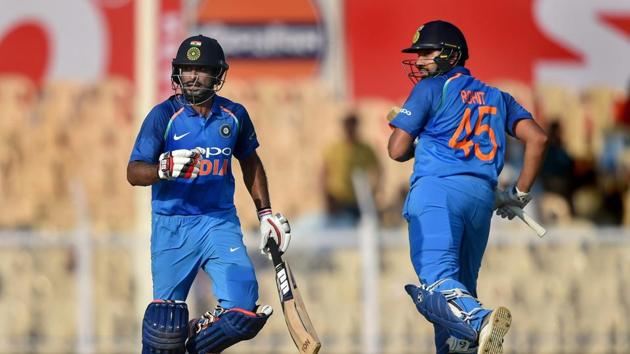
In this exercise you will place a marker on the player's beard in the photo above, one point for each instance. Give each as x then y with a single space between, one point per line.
196 92
193 90
425 71
197 95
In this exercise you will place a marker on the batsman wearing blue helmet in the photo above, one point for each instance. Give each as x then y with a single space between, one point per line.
454 126
184 151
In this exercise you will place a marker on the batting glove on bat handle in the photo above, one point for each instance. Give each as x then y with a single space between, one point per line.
274 227
181 163
511 197
274 252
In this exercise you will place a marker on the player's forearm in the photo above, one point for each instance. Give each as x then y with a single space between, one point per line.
141 173
400 146
260 192
406 156
255 180
400 153
535 149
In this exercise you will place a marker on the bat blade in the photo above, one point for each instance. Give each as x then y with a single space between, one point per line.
296 317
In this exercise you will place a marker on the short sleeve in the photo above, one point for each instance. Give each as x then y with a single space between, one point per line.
150 140
247 141
422 100
514 113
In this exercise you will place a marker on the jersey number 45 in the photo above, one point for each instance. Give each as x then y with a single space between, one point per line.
466 142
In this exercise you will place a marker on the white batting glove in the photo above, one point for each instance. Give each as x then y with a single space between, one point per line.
510 197
276 227
181 163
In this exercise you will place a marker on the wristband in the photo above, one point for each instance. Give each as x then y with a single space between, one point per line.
262 212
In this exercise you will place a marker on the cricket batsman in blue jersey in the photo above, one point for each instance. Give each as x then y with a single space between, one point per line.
454 126
184 151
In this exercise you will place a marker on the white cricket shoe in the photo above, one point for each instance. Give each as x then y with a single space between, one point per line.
493 329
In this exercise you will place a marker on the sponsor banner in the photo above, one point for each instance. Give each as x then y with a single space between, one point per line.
576 43
268 41
282 38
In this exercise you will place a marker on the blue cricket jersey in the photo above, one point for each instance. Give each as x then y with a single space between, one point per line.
227 131
461 124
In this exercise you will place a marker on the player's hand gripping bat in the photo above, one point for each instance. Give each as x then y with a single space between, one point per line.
295 315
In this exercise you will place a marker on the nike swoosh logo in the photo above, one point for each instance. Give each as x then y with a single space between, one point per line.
176 137
233 249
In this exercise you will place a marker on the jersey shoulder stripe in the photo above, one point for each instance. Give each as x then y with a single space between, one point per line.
170 121
226 110
448 81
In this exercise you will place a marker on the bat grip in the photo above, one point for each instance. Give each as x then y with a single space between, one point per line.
272 246
529 221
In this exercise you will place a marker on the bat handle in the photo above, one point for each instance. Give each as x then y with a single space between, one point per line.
272 246
529 221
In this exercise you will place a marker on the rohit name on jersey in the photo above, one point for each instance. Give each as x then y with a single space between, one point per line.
214 160
472 97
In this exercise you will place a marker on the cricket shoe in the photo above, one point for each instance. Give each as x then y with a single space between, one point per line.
493 328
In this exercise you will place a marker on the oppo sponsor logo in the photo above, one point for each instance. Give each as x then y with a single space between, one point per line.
213 151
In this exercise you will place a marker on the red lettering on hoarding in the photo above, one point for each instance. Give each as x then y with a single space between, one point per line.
33 42
14 45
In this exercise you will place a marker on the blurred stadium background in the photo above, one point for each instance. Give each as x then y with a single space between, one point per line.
78 76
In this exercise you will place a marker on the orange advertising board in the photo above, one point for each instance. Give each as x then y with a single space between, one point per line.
279 38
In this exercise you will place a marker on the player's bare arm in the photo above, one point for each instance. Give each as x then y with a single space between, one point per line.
400 146
142 173
256 180
535 140
271 226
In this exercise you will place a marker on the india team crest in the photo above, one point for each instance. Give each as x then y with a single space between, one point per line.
193 53
226 130
416 35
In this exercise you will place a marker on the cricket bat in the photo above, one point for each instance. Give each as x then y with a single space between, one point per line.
295 315
392 113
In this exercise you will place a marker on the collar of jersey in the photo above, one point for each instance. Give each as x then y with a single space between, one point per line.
458 70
